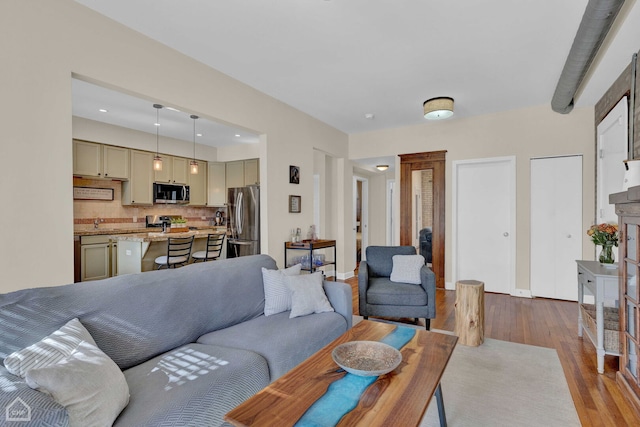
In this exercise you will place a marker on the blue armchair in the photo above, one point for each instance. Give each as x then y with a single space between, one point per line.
379 296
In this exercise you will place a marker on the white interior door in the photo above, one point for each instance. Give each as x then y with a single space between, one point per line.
556 226
612 151
484 222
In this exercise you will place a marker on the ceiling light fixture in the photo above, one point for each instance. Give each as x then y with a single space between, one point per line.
193 165
157 160
438 108
102 110
382 167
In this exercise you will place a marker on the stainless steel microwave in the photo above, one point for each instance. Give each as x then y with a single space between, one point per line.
170 193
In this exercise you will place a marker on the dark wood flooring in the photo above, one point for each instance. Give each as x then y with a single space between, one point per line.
553 324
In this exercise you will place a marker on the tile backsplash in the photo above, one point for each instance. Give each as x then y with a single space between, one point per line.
112 214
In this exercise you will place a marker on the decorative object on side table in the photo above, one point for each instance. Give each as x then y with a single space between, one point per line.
605 235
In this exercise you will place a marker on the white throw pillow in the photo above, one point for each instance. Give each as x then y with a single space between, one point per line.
49 350
406 269
307 294
88 384
277 297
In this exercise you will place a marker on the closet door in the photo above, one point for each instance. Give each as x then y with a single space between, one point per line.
556 226
485 222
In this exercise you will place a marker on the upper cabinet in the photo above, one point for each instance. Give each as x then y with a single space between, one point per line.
198 186
139 189
98 160
175 170
217 191
251 172
243 172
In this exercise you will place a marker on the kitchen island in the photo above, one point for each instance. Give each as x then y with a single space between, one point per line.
137 251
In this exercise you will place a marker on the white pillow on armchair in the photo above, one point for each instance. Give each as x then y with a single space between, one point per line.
406 269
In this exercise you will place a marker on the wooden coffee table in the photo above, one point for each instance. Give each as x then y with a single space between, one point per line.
399 398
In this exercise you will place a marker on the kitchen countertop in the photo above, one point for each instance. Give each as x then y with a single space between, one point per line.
159 236
138 230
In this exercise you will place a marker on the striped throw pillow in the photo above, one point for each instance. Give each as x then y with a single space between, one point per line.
277 296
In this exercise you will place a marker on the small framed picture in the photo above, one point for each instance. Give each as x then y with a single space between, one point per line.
294 204
294 174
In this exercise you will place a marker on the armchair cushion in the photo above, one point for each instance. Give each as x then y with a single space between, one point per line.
406 269
383 291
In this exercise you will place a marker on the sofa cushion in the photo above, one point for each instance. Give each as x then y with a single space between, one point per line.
383 291
406 269
290 341
87 383
307 294
277 297
50 350
193 385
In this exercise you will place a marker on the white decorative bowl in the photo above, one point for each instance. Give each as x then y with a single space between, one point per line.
366 358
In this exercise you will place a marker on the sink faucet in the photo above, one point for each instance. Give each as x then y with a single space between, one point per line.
96 222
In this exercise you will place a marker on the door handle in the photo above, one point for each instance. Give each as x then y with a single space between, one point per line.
505 234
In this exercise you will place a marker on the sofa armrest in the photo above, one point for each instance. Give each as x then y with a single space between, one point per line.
339 295
428 279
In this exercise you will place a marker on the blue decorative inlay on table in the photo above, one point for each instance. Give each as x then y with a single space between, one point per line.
344 394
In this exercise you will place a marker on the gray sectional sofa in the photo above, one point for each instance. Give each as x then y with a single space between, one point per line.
193 342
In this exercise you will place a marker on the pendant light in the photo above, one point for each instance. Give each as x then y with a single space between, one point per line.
157 160
193 165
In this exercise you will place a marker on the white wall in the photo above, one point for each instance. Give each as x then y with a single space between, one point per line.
42 44
526 133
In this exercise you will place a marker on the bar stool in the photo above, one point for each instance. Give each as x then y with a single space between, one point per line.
178 252
213 250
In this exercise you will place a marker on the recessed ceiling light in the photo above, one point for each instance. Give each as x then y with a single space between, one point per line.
102 110
237 135
198 134
172 109
156 124
369 116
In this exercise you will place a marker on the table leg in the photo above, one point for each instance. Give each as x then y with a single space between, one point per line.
440 403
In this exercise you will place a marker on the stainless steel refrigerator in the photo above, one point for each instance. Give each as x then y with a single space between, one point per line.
243 213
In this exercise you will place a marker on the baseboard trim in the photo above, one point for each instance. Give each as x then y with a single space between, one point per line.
523 293
345 276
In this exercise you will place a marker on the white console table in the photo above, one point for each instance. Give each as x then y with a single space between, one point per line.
600 281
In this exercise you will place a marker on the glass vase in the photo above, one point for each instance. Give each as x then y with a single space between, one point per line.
606 255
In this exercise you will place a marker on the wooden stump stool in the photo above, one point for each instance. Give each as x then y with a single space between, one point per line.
470 312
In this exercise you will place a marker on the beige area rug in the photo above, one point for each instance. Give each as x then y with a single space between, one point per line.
500 383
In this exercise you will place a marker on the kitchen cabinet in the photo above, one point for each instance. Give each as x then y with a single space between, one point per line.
139 189
95 258
198 186
98 160
175 170
251 172
235 174
217 187
241 173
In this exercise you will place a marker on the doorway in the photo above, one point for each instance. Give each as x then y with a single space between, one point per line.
484 222
361 216
414 210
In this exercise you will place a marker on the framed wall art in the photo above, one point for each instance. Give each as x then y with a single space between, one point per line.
294 174
295 204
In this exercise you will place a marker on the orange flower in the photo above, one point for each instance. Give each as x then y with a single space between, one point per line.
604 234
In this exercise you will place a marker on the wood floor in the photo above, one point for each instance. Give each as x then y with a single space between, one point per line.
553 324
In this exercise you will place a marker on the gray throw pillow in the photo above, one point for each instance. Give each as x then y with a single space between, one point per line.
406 269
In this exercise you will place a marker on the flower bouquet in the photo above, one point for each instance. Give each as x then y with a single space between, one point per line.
605 235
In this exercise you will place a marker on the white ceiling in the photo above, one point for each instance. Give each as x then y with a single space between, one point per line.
338 60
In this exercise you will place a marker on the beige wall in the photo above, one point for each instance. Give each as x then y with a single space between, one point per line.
44 43
526 133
